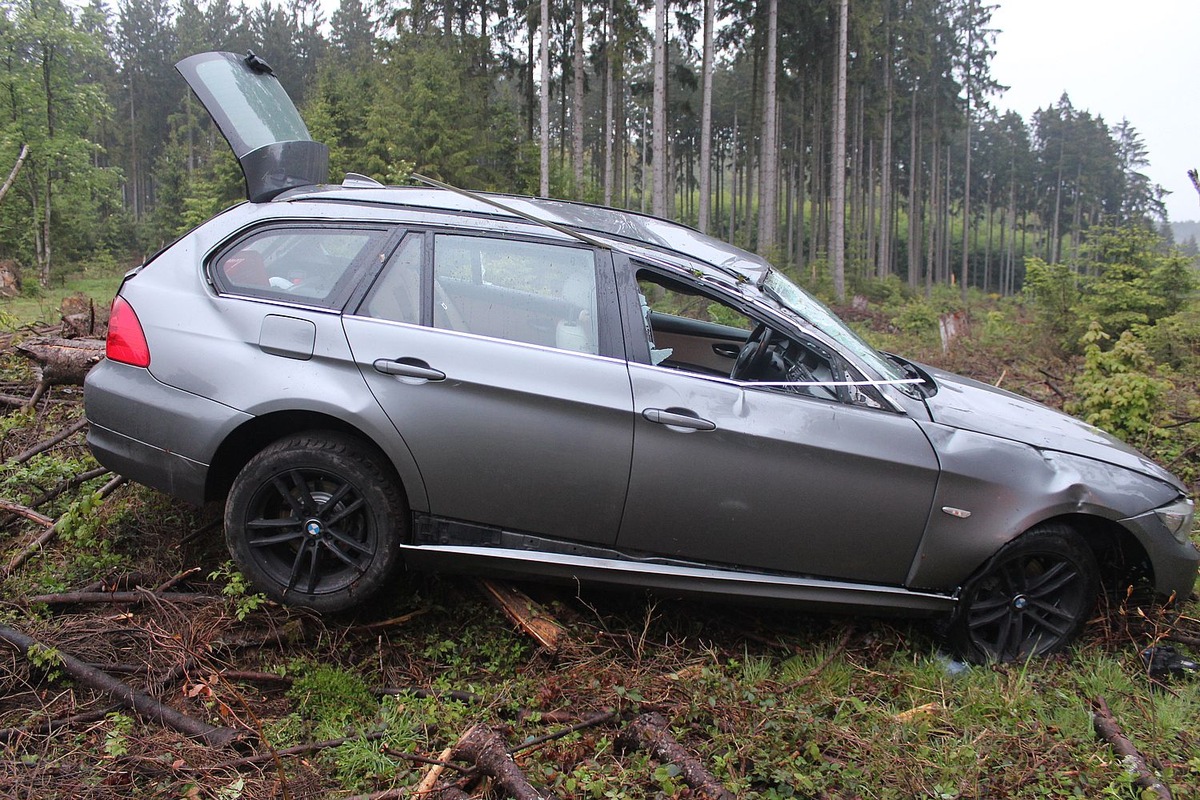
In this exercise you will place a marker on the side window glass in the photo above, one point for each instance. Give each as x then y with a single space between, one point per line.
299 264
396 296
691 330
521 291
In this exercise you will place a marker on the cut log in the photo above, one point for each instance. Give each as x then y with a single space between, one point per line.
81 319
651 733
60 362
525 613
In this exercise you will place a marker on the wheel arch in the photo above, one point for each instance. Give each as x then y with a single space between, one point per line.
1122 558
252 436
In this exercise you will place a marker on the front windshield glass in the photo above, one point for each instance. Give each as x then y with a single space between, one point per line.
814 312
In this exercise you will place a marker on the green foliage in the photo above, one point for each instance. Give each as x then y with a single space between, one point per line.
116 738
1117 390
1135 283
237 588
1175 340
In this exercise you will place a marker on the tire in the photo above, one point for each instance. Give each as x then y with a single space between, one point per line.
315 520
1031 599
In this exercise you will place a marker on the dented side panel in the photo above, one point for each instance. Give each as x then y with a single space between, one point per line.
1008 487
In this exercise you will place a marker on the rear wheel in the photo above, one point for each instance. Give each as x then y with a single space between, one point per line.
1031 599
315 520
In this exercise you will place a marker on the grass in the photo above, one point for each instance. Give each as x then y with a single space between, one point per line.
40 305
776 703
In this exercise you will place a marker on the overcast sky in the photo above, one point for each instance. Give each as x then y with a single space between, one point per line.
1117 59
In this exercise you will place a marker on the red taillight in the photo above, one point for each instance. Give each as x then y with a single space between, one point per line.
126 341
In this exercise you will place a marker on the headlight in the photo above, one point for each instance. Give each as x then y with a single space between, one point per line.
1178 518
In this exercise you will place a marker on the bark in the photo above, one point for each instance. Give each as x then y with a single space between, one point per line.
883 266
651 733
837 219
117 598
484 748
608 104
530 617
706 119
1109 729
143 704
59 362
577 101
544 89
12 175
658 204
768 180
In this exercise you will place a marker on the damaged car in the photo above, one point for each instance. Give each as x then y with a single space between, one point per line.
373 378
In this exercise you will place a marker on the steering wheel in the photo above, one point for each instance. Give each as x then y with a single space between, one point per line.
753 353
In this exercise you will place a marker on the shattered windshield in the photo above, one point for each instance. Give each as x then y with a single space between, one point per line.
814 312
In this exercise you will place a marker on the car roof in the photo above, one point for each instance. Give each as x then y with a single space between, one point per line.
608 223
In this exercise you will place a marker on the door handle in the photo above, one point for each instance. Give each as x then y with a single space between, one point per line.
726 350
678 418
408 368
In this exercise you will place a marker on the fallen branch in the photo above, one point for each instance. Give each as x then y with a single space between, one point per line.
817 670
118 598
650 732
450 694
49 726
586 722
26 512
299 750
66 486
41 447
1108 729
143 704
23 556
525 613
484 748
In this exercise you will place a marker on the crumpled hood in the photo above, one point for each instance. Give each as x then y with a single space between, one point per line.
968 404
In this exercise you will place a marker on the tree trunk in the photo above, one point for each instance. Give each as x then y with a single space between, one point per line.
706 119
544 60
659 201
608 104
883 266
768 180
577 102
837 220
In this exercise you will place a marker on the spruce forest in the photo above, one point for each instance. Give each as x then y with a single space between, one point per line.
728 116
857 145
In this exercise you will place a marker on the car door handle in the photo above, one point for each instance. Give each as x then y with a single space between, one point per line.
678 418
726 350
408 368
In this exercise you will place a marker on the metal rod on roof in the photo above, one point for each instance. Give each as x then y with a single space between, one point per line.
523 215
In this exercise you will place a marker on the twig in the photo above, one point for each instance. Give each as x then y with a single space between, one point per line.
371 627
430 778
49 726
23 556
650 732
450 694
42 447
167 584
1108 729
145 705
67 485
819 668
299 750
586 722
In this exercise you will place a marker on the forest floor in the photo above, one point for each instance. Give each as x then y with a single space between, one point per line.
282 703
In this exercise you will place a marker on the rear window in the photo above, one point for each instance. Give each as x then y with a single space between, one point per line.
312 266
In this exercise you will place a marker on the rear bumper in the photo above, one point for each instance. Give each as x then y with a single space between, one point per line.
152 433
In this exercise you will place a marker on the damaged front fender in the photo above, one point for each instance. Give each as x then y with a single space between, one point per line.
991 490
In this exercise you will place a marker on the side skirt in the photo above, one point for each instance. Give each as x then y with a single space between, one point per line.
451 546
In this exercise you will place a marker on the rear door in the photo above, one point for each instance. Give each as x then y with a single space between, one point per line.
259 120
494 359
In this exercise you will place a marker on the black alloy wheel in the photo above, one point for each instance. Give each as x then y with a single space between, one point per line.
315 521
1031 599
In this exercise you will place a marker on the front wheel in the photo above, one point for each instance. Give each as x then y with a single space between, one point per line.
1031 599
315 520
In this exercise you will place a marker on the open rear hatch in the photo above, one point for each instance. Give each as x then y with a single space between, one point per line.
259 120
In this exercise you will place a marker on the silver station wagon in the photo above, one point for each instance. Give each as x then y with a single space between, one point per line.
378 376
